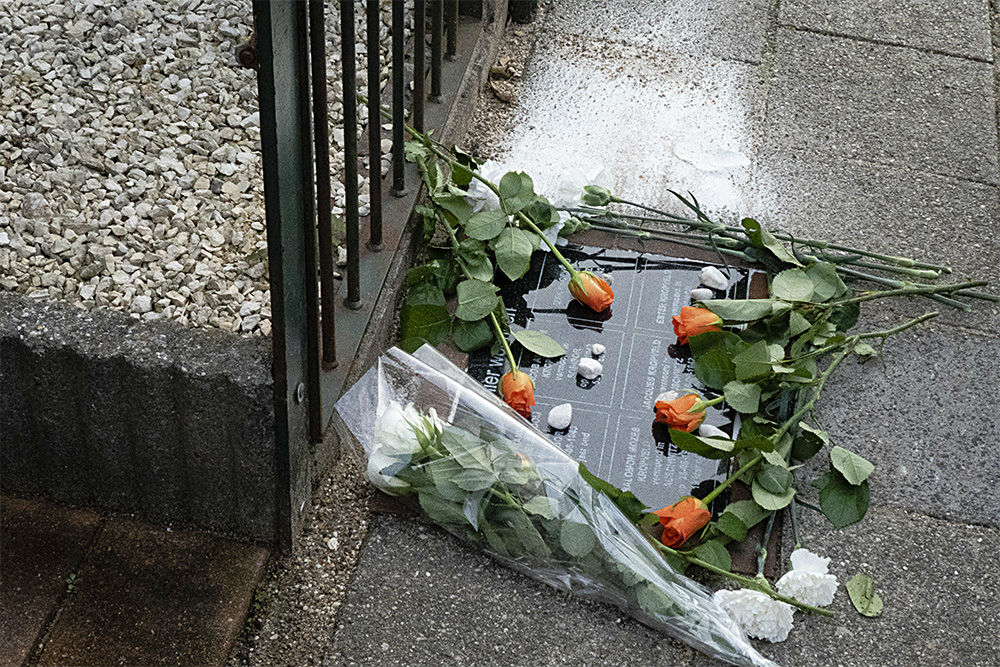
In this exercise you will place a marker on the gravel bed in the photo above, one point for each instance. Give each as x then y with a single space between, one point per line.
130 174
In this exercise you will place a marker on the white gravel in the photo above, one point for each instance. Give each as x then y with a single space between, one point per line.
130 173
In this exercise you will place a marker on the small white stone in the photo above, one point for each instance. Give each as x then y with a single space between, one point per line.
142 304
332 544
701 294
713 278
597 349
589 368
341 256
709 431
668 396
561 416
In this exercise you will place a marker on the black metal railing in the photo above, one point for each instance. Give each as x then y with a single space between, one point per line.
308 293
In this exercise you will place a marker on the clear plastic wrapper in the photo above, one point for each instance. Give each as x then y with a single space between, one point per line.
486 475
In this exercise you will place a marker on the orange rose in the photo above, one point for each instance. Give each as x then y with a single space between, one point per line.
693 321
682 520
677 413
591 291
518 392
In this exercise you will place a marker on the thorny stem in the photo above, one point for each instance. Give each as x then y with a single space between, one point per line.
795 526
902 291
885 333
756 583
801 412
714 493
762 547
531 225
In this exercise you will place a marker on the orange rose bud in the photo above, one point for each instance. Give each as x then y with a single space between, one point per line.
693 321
518 392
677 413
682 520
591 291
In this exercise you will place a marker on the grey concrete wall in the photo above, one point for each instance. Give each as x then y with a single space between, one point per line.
170 423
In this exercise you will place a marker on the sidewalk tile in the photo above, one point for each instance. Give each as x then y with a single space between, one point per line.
885 104
149 596
958 27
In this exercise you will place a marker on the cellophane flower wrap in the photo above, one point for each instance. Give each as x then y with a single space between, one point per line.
486 475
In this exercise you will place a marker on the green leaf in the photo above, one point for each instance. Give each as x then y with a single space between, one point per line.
475 479
745 310
472 255
516 191
861 589
753 362
486 225
729 524
770 500
539 343
776 479
427 322
714 367
864 351
425 294
455 205
513 250
471 336
761 238
854 468
809 441
714 553
747 511
576 539
797 323
842 503
792 285
542 506
742 397
631 507
709 448
442 511
826 282
476 300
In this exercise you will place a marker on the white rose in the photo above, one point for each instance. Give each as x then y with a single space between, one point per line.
757 613
394 444
808 580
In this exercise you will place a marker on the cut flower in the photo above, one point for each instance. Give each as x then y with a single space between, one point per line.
592 291
808 580
693 321
518 392
757 613
682 520
677 413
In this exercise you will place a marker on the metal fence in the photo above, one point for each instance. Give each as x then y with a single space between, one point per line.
307 298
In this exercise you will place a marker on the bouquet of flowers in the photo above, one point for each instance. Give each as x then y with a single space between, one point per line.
479 470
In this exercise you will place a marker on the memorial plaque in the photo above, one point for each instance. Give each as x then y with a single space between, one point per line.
612 431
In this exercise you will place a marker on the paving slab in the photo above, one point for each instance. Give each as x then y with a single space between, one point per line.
731 29
423 598
149 596
927 414
957 27
41 545
884 104
892 210
661 121
937 580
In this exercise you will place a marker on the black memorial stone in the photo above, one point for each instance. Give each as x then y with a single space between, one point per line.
612 431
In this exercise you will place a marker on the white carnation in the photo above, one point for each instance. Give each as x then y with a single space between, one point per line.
480 196
567 190
758 614
808 580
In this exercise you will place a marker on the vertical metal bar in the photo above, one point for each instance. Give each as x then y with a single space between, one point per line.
398 55
353 300
419 61
451 21
373 23
321 140
437 10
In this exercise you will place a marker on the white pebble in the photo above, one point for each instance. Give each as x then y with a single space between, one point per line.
701 294
597 349
712 277
589 368
669 396
561 416
709 431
